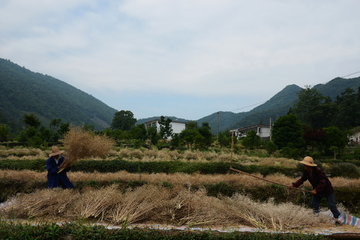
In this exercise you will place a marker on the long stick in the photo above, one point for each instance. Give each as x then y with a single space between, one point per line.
266 179
232 148
231 168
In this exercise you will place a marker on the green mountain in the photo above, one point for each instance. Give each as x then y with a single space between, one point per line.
338 85
23 91
276 106
226 119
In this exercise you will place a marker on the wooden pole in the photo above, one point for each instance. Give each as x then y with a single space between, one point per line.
266 179
232 147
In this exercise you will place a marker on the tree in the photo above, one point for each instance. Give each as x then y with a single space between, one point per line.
287 129
349 109
271 147
4 133
139 132
165 128
32 120
188 136
55 124
205 131
175 140
46 134
311 107
336 139
153 135
224 138
314 138
123 120
251 140
64 128
192 125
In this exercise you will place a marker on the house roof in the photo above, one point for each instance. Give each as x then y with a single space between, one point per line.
156 120
252 127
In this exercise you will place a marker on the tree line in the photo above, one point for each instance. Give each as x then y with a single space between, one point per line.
315 125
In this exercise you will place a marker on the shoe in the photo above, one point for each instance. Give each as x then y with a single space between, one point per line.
337 223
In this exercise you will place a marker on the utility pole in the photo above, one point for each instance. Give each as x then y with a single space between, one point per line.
217 135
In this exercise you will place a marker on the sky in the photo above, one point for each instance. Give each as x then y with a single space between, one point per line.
183 58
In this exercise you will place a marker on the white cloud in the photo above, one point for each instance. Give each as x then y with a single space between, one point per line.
188 48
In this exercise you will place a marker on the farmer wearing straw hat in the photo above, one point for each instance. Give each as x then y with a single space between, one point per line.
53 165
321 185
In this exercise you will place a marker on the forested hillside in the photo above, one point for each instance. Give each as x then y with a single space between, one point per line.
23 91
276 106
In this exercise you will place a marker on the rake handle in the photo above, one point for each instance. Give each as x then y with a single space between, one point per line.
266 179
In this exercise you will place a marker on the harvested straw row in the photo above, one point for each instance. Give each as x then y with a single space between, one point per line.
177 178
149 204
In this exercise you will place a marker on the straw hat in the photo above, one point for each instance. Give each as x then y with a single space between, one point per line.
55 151
308 161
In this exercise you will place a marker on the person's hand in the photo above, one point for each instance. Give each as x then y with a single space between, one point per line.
61 166
290 186
314 192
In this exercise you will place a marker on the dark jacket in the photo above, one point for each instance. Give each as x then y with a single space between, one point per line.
318 180
54 177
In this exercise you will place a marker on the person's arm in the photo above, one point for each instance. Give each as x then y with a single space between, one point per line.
300 181
62 165
51 166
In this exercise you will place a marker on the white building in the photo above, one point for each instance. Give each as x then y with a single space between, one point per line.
354 136
176 126
263 131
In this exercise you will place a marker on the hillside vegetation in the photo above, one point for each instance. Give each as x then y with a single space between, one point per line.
23 91
276 106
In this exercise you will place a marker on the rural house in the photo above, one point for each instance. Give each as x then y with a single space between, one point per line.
263 131
354 136
176 126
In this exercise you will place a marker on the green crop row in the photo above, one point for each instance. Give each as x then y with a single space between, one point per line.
9 230
347 170
104 166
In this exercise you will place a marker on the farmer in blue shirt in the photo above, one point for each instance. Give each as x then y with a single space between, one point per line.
53 165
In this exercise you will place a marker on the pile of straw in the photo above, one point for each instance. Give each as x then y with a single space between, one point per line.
80 144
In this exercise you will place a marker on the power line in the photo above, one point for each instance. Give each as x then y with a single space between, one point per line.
289 93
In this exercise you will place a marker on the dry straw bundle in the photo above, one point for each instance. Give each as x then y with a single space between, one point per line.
80 144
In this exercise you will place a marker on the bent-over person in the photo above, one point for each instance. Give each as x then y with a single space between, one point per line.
53 164
322 187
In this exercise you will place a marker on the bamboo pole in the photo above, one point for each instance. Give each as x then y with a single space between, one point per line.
232 148
267 180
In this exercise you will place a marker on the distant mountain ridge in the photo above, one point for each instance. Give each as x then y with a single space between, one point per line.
276 106
23 91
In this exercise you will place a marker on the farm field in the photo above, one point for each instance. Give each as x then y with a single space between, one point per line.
218 200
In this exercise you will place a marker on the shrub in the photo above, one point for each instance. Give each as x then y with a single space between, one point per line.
271 147
219 188
315 155
347 170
